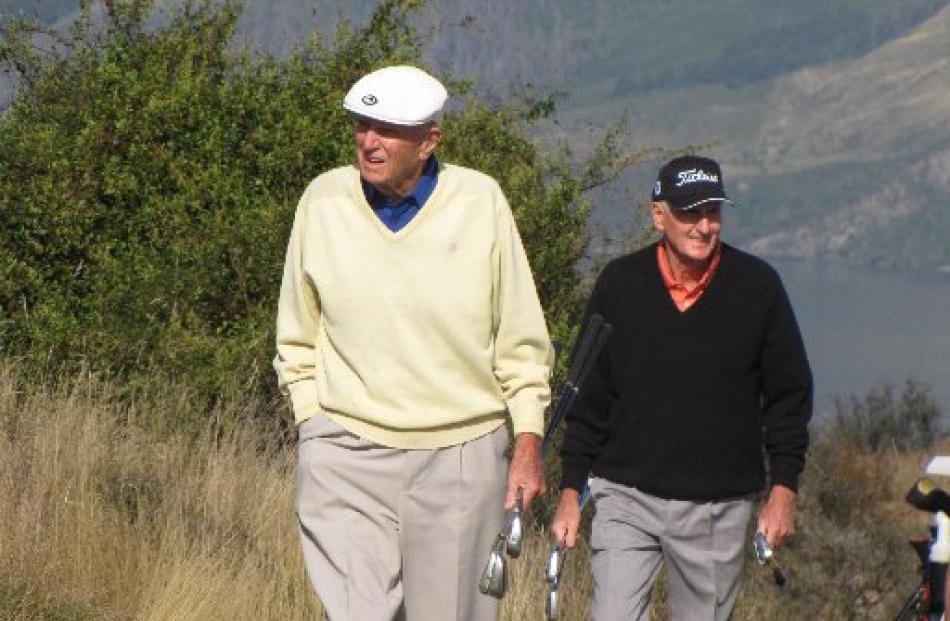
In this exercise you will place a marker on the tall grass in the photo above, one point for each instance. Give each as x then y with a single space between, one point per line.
105 519
102 520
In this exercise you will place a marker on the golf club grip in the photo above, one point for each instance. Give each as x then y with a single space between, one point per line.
592 342
585 494
584 347
598 345
560 410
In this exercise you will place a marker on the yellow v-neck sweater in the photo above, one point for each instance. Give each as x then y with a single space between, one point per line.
422 338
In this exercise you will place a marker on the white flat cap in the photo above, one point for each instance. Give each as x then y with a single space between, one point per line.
399 95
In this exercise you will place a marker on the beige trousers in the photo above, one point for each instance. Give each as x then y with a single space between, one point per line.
398 534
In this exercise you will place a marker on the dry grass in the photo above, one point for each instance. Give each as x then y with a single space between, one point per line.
102 520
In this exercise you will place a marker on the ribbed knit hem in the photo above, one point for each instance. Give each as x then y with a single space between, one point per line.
784 473
420 438
527 413
574 474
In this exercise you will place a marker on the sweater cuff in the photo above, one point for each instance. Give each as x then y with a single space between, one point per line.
527 413
574 474
783 472
304 399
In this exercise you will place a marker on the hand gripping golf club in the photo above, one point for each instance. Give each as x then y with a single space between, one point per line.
494 577
552 576
591 344
765 556
588 349
494 580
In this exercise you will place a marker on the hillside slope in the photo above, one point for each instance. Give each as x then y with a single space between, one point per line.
830 117
877 129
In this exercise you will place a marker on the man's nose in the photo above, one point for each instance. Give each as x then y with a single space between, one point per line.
370 137
703 224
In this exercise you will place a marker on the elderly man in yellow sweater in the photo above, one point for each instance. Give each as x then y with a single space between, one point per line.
408 331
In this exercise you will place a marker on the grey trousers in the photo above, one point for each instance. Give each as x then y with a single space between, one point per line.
701 543
397 534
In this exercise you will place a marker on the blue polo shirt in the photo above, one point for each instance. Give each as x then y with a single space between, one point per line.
396 214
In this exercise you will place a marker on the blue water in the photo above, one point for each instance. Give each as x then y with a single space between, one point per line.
866 327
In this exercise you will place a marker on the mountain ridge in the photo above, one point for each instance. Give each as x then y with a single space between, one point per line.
829 118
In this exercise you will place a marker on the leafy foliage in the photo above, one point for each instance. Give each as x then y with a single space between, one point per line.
150 174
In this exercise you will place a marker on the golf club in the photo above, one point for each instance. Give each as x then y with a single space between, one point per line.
494 578
765 556
553 577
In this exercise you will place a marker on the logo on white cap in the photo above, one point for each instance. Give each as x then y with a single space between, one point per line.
370 100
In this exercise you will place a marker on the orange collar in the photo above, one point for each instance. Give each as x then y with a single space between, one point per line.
683 297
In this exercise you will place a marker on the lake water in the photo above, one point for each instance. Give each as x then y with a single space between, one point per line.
866 327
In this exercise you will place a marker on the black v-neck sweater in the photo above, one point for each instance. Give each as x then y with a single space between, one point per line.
687 405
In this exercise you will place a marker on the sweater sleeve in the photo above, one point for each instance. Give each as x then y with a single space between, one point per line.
298 319
589 418
523 355
786 392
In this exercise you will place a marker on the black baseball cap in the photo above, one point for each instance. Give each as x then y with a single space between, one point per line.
689 181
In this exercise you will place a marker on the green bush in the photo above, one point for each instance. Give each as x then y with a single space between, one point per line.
150 174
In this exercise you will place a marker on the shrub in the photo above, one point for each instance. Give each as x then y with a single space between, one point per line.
150 174
879 420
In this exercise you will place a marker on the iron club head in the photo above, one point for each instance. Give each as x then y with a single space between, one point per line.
555 564
515 526
763 552
765 556
494 579
552 576
551 605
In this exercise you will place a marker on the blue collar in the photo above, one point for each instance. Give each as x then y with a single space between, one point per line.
419 195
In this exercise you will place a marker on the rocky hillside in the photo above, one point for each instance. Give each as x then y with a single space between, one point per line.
876 131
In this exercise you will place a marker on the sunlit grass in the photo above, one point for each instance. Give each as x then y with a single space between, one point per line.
104 520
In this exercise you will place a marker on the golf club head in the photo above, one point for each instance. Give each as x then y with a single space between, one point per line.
515 534
515 527
551 605
763 552
765 556
555 564
494 579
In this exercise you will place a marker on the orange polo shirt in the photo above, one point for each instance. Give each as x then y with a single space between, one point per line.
683 297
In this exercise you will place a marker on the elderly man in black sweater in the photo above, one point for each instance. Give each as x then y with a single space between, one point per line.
704 381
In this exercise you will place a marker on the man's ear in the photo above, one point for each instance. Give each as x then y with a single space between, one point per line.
432 139
657 211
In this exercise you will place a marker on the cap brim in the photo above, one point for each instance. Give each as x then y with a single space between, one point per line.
694 204
362 113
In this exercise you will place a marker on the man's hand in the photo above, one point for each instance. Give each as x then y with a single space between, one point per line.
526 470
777 516
567 518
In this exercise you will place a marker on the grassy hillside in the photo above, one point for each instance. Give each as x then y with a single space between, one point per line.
104 520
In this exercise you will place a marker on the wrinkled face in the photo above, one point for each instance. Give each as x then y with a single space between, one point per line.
391 157
691 235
